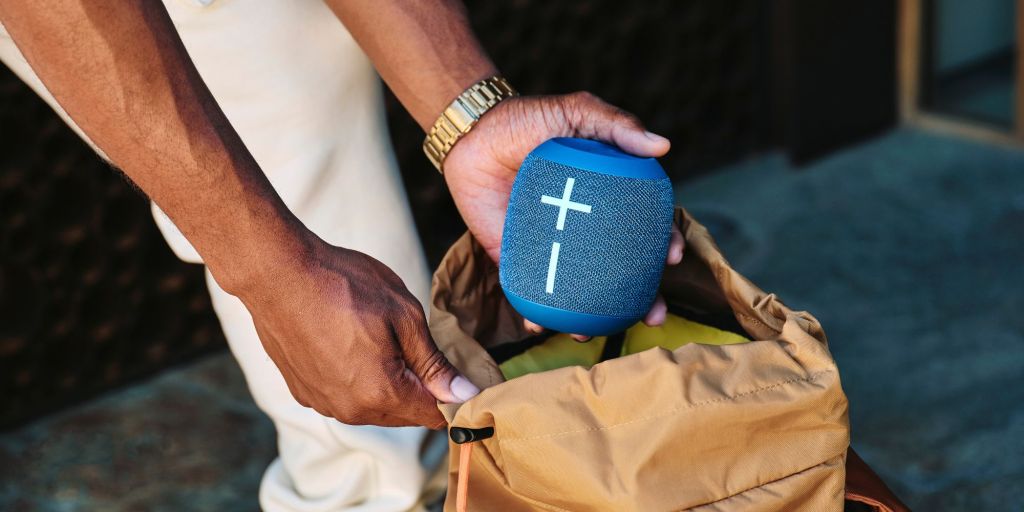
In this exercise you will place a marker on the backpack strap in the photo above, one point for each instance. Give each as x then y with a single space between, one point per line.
613 346
864 486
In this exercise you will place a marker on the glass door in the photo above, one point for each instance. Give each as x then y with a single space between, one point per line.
969 58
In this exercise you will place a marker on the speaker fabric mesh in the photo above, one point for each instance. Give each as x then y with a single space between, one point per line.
610 260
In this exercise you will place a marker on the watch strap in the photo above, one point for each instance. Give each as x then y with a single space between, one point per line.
458 119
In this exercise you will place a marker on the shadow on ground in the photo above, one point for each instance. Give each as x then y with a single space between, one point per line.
908 249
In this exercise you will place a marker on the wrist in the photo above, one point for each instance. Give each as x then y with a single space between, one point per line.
462 115
260 252
447 88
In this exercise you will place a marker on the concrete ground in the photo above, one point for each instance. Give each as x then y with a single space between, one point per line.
190 439
908 249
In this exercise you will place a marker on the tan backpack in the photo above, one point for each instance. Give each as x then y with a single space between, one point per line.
754 426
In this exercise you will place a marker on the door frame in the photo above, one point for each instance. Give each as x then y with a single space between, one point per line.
909 47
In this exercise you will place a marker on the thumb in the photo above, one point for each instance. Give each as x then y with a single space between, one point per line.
592 118
432 368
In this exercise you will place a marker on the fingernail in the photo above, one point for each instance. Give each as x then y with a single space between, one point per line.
463 389
654 137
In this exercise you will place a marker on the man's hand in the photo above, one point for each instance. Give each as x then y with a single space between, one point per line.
348 337
351 341
482 166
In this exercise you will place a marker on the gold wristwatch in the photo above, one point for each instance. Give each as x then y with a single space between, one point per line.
462 114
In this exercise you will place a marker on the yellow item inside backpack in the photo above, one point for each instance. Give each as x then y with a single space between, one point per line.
560 350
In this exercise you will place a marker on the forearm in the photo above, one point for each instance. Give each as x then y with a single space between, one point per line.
121 72
424 50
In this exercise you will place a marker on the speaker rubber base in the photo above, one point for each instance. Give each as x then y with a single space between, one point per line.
569 321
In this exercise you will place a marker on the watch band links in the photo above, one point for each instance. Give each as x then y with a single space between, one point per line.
459 118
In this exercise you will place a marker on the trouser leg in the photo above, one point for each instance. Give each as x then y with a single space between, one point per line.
323 464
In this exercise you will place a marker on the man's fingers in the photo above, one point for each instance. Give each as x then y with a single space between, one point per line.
442 379
532 327
594 119
391 420
432 368
421 407
657 313
537 329
676 245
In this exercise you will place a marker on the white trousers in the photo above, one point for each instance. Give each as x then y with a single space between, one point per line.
308 105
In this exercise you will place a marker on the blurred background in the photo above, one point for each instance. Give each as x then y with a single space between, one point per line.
863 160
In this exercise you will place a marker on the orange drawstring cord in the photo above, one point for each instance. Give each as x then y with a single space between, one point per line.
465 438
462 488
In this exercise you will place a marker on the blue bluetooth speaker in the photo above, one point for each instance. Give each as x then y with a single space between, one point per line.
585 239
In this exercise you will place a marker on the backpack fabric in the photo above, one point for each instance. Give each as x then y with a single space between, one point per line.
754 426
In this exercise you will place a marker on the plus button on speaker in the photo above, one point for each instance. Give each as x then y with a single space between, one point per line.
585 238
